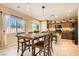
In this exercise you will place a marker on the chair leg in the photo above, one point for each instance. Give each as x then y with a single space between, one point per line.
50 53
18 47
51 47
29 46
44 52
22 50
51 43
56 40
40 51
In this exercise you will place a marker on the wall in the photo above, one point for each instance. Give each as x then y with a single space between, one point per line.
11 39
78 26
51 25
1 29
43 26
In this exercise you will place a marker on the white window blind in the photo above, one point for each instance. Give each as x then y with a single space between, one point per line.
14 24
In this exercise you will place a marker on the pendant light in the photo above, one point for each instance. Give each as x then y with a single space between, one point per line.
43 16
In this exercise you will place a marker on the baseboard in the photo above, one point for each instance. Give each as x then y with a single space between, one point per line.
4 47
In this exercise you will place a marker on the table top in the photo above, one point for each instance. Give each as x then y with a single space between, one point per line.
32 35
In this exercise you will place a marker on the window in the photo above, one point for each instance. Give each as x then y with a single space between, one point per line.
35 27
14 24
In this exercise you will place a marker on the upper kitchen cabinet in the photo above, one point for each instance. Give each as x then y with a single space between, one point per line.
66 25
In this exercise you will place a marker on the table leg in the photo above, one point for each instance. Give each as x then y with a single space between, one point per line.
23 49
18 45
33 48
49 46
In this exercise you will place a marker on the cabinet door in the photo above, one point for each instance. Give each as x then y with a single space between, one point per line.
66 25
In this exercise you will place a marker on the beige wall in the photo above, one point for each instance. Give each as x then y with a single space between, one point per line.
29 20
1 29
78 26
43 25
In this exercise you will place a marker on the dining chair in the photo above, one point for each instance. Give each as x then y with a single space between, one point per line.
22 43
53 37
44 46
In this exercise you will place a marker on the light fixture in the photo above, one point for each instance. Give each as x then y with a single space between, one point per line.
52 17
27 6
18 7
43 16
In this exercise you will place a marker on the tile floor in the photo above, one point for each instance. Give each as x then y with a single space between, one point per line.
62 48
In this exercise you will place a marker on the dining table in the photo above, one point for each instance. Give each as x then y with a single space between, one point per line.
32 37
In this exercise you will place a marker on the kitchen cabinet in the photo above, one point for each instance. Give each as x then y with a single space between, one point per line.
66 35
75 32
66 25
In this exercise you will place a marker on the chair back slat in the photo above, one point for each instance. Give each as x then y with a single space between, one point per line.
46 40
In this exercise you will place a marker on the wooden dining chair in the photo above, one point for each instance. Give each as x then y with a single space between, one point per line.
44 46
22 43
54 37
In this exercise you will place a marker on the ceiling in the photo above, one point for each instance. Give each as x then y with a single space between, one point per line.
51 11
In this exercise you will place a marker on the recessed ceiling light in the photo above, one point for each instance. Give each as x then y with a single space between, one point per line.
27 6
18 7
52 15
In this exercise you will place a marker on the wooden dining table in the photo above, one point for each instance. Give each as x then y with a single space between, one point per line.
32 37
